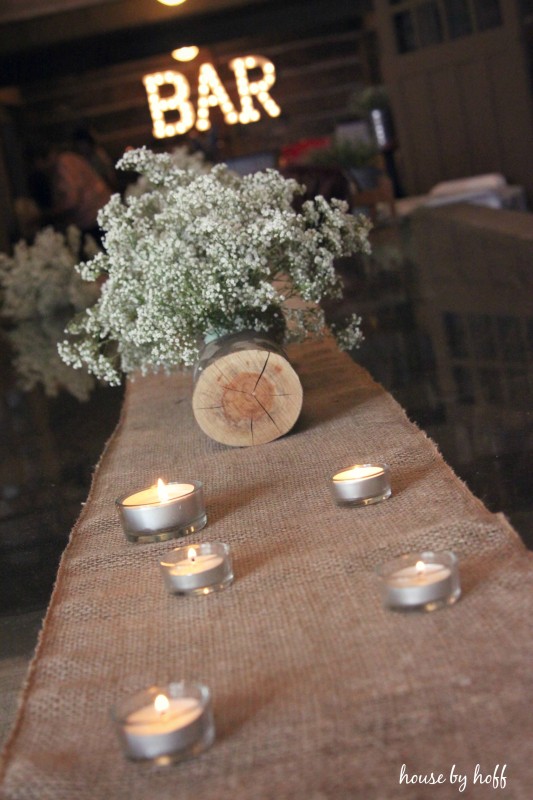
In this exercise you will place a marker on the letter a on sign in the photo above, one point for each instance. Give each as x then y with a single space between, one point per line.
211 92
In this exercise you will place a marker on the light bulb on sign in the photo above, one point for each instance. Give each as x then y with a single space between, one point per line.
185 53
178 101
211 93
248 89
171 2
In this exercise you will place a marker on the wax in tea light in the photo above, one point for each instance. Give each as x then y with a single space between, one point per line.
424 581
361 485
197 569
166 723
163 511
160 493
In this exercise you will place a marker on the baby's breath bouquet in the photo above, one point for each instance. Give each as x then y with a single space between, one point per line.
180 158
40 292
200 254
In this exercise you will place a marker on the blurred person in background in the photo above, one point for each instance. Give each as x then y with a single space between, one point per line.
76 191
85 144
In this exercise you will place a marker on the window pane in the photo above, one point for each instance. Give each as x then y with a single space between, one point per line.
511 341
405 32
526 7
530 334
464 385
488 14
483 336
458 16
490 386
429 24
455 328
519 395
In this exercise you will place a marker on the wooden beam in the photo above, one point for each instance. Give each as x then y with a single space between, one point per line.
286 17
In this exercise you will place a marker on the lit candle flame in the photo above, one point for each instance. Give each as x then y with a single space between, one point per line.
420 567
162 491
191 554
161 704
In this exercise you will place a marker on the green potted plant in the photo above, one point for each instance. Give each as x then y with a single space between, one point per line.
357 158
365 99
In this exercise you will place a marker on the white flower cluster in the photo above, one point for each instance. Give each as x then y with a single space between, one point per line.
180 158
203 253
41 290
37 360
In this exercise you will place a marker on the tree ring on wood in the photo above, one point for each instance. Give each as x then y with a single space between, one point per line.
246 392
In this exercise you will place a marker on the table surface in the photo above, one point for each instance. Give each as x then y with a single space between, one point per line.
319 691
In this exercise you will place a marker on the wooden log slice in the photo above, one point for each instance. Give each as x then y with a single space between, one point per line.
246 392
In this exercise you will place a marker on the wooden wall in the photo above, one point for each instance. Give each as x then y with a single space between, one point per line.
315 77
84 63
323 50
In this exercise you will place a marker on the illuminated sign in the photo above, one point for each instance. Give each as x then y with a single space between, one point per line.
211 93
185 53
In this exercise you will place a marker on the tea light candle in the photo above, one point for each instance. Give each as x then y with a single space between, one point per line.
362 484
166 723
421 580
163 511
197 569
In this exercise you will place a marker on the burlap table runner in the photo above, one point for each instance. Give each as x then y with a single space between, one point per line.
319 692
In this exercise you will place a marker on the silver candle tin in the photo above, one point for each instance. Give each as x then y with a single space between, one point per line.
180 740
405 585
160 521
361 484
217 574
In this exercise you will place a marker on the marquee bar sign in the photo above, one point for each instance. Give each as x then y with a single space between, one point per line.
211 93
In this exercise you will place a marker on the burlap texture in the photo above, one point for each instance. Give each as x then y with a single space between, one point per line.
319 692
